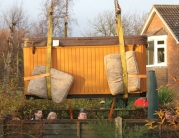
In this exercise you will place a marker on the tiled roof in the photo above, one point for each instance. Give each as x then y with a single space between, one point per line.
170 14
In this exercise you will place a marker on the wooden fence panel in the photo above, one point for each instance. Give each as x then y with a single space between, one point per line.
76 128
60 130
50 129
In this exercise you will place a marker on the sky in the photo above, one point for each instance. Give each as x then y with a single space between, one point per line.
83 10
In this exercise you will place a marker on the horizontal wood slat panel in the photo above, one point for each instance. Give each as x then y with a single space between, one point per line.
84 63
87 41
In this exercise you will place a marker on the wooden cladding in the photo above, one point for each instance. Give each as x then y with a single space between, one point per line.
84 63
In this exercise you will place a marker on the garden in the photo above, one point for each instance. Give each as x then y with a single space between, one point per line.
134 122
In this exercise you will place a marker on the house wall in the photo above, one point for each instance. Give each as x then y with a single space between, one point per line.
161 74
164 74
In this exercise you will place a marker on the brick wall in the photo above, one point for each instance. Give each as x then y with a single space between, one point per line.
161 74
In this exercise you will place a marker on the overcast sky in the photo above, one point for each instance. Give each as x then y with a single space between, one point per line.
88 9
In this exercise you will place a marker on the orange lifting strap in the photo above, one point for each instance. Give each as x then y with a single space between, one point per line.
111 109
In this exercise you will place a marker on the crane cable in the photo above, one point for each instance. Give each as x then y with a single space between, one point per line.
66 20
115 5
65 35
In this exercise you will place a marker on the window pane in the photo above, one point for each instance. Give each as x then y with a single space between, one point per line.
160 53
160 42
150 53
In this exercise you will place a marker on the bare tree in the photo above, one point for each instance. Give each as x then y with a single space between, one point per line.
133 21
104 24
4 33
60 14
16 21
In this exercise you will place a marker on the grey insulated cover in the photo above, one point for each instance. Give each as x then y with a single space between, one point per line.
132 68
114 72
61 83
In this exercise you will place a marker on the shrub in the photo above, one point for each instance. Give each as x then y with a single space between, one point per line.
107 129
10 102
166 96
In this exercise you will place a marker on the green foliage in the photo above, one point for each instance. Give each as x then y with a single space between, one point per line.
104 128
47 105
92 106
43 104
166 96
107 129
167 124
86 103
29 105
138 108
131 101
136 132
10 102
120 103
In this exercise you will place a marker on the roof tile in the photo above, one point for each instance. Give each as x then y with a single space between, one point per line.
170 14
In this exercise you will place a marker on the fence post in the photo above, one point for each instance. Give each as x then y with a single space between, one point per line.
118 123
78 129
160 131
1 127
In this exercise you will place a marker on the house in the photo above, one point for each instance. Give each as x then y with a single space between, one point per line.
162 55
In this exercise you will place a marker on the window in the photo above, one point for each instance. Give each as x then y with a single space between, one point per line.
150 53
156 51
160 53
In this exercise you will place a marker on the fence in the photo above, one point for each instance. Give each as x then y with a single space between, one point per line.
52 129
66 128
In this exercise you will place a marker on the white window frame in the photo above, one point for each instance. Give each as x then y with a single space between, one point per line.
156 46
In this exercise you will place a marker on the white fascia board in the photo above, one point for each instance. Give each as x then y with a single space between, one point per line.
157 37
